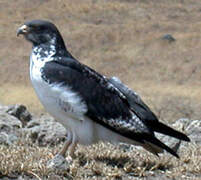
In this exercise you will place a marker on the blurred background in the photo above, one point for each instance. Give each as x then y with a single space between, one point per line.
153 46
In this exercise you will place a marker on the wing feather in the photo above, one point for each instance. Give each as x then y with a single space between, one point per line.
107 104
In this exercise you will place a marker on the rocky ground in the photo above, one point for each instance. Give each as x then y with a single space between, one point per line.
153 46
28 145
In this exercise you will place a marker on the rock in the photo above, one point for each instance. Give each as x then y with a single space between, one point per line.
9 128
45 130
180 125
192 128
173 143
3 108
20 112
21 177
58 163
57 177
7 139
169 38
9 123
194 131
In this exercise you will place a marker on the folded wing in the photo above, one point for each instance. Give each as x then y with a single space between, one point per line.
108 104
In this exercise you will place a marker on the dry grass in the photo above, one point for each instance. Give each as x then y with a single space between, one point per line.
99 161
118 38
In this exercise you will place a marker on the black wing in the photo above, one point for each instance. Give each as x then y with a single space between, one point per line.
101 98
143 111
106 104
135 102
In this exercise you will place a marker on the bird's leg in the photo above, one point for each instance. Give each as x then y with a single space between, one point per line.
66 144
73 146
59 161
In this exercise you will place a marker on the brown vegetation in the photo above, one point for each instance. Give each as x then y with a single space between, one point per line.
117 38
111 162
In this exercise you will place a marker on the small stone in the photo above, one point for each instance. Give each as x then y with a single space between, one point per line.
9 123
10 127
7 139
20 112
58 163
194 131
181 124
45 130
54 177
169 38
3 138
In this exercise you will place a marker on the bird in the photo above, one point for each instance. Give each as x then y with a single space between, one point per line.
91 106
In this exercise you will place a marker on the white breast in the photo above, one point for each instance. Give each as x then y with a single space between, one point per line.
62 103
55 96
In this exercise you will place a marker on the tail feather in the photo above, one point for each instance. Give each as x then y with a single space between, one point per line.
164 129
153 140
152 148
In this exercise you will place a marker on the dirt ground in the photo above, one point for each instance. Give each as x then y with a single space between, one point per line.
117 38
121 38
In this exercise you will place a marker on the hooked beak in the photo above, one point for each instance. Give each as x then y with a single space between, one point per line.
24 29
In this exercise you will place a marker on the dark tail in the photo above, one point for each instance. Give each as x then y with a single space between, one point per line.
153 140
164 129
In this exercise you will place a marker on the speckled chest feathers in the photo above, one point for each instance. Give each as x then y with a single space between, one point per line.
53 96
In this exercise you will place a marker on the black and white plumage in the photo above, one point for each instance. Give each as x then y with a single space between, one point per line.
89 105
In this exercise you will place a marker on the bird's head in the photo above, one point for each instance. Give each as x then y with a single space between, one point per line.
40 32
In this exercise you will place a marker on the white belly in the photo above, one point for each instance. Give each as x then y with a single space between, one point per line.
87 131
